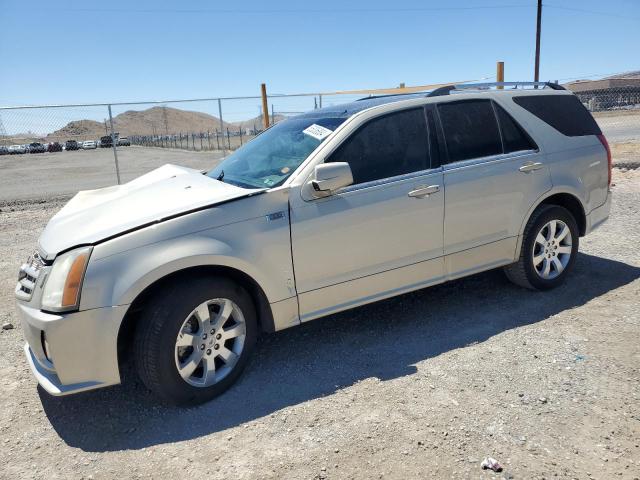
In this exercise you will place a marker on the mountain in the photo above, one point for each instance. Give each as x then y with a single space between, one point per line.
152 121
166 120
155 121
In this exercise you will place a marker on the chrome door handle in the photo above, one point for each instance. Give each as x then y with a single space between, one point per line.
530 167
424 191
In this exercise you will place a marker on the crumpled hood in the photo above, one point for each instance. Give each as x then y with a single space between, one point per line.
94 215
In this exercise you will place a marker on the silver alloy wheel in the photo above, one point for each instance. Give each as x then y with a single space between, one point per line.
552 249
210 342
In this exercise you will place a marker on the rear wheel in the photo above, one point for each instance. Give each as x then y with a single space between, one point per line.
548 250
194 340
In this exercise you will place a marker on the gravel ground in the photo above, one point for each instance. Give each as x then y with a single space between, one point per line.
423 385
620 125
64 173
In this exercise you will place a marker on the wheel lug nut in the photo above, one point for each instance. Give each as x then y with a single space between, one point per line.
202 346
209 351
204 337
212 331
218 337
216 346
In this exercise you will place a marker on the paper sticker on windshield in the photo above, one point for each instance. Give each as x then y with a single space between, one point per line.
317 131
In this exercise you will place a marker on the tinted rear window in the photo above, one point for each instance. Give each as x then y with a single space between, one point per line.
470 129
565 113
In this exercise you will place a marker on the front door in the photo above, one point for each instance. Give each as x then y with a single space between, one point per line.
383 234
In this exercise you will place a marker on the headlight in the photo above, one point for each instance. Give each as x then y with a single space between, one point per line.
62 287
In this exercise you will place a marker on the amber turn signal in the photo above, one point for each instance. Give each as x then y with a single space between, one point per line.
74 281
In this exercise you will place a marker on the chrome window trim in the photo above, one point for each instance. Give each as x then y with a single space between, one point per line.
472 162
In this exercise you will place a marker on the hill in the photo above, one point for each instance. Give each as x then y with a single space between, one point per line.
166 120
80 128
155 121
152 121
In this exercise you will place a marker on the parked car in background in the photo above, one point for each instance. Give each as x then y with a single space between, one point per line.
17 149
106 142
89 145
54 147
71 145
124 142
37 147
4 150
365 201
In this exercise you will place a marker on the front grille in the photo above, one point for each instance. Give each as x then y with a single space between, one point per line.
28 276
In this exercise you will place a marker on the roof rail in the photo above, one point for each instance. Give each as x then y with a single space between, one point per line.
486 86
370 97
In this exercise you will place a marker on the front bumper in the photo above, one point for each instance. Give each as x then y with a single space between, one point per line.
82 347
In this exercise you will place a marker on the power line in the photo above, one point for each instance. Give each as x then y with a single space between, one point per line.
592 12
597 75
291 10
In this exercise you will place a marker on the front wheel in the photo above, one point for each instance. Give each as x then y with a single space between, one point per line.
549 249
195 339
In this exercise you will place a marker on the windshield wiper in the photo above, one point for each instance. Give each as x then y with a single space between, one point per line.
221 176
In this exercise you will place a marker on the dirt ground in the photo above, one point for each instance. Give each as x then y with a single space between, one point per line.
421 386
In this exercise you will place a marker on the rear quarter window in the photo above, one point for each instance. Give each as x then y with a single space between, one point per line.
565 113
514 138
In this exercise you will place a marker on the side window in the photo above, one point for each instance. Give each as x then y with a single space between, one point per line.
470 129
387 146
514 138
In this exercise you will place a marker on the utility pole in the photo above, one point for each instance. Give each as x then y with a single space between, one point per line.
500 74
265 107
113 145
536 75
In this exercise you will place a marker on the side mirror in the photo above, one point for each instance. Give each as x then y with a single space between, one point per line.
330 177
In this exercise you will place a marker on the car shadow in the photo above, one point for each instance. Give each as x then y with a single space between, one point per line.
384 340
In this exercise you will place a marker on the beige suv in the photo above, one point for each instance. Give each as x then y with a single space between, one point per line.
323 212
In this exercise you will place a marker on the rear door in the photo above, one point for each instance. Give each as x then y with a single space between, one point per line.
494 172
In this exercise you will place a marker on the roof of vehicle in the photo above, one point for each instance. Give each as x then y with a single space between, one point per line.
345 110
348 109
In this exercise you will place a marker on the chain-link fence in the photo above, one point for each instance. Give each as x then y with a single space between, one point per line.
91 146
615 104
204 124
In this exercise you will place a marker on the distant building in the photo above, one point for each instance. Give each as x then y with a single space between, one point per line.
610 93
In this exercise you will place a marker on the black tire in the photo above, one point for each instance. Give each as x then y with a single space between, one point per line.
160 323
522 272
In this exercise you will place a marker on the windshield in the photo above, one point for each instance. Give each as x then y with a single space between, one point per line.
269 159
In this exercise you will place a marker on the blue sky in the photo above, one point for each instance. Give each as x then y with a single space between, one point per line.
83 51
